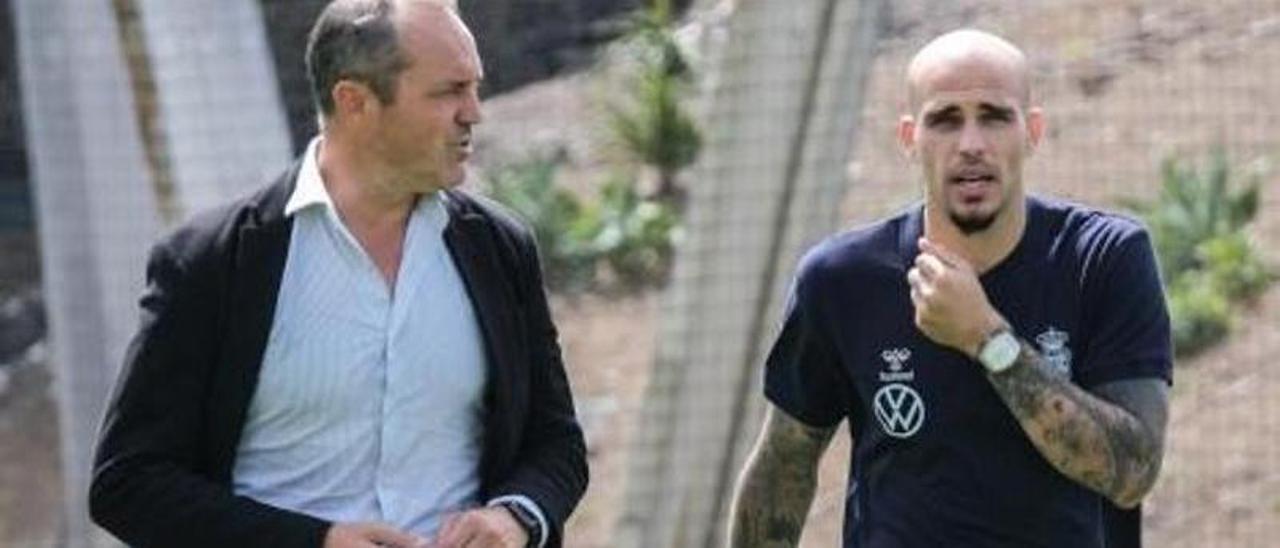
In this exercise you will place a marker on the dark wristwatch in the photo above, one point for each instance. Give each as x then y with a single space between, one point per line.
526 519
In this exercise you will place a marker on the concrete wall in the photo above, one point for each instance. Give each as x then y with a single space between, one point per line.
781 121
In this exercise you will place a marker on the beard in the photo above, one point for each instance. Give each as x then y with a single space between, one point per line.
972 224
976 218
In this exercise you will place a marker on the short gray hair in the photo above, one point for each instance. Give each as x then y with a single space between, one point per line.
354 40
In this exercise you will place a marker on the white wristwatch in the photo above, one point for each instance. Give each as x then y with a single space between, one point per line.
999 351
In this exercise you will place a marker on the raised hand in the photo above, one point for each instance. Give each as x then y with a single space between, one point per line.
951 307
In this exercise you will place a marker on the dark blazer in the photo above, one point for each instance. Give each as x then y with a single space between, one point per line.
162 469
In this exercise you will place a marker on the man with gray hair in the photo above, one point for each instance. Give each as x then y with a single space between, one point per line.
359 354
1003 359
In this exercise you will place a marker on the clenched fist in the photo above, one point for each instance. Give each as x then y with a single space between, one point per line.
951 307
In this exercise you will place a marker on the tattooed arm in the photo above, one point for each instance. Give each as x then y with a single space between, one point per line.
777 484
1111 440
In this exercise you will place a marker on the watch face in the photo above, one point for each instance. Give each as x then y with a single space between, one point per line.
1000 352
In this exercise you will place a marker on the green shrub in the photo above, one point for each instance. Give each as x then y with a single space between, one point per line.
1200 312
1234 266
630 235
635 236
559 219
623 240
1193 208
1207 261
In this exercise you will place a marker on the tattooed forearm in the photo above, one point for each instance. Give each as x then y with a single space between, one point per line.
1111 441
777 484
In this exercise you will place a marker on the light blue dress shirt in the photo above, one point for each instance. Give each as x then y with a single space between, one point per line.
369 405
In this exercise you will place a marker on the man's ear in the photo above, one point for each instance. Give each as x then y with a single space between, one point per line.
352 99
1035 128
907 134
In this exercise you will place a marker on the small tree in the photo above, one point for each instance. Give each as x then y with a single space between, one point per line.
651 125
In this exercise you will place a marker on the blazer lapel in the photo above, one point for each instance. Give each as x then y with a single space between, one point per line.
471 244
261 247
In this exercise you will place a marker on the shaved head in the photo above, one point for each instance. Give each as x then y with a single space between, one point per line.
967 51
971 126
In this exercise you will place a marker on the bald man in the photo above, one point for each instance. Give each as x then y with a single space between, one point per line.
359 354
1003 359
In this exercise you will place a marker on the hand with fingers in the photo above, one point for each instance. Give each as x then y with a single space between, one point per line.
491 527
370 535
951 308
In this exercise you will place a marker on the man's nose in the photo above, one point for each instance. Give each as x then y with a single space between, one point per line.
470 113
972 141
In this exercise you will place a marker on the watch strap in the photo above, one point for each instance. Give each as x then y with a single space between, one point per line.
527 520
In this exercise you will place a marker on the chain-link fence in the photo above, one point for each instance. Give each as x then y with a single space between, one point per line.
671 258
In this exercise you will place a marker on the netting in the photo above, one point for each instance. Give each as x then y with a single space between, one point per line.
120 118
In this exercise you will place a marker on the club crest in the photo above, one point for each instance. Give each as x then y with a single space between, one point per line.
1054 350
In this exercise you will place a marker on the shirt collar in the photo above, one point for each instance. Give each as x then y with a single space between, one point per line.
309 189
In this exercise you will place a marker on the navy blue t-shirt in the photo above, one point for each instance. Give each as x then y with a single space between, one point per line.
938 459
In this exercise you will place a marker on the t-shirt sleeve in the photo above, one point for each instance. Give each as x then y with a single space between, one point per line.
802 372
1131 335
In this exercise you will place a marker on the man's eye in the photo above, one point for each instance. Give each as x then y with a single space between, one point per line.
945 122
451 91
994 118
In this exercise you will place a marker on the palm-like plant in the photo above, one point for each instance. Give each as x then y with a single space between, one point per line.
650 123
1208 262
1194 208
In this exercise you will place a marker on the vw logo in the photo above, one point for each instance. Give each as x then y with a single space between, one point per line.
899 409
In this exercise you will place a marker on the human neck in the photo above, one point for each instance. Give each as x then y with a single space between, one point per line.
363 196
983 249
